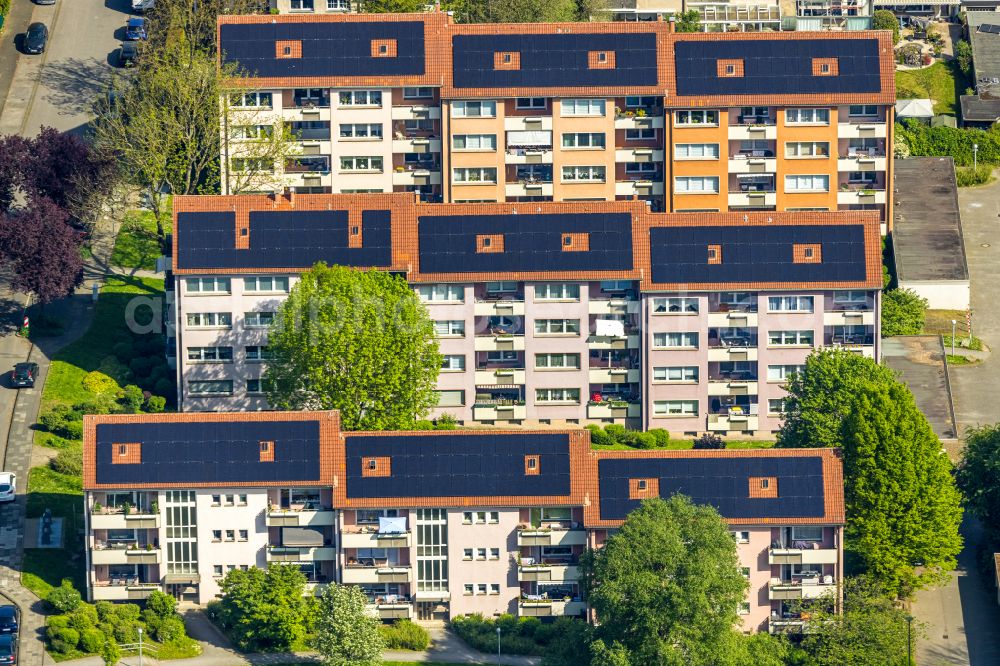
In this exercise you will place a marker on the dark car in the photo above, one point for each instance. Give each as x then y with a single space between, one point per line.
135 29
127 54
36 38
8 650
23 375
8 619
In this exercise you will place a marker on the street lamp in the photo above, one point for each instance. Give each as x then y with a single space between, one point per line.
953 322
498 646
909 644
975 154
140 646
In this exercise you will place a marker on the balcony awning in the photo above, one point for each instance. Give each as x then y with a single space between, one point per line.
529 138
610 328
182 579
432 596
391 525
303 537
505 387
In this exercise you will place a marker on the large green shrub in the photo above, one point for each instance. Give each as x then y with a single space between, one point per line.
63 421
967 176
64 598
405 635
169 629
883 19
63 640
83 617
951 141
92 640
903 312
98 382
517 635
68 461
162 605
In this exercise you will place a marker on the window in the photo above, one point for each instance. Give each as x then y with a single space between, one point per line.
856 110
790 303
641 134
642 167
741 537
467 552
480 553
508 287
494 588
744 608
338 5
494 553
257 385
361 164
696 117
807 533
861 177
675 305
418 125
230 500
641 484
675 340
210 319
361 131
679 373
475 142
864 146
474 175
241 500
478 109
216 500
450 398
216 570
435 293
216 535
453 363
807 149
302 5
250 164
592 174
853 297
454 328
259 353
557 327
530 103
494 517
360 98
807 183
252 131
696 184
230 535
557 291
481 588
807 116
779 373
790 338
776 406
257 319
696 151
635 101
583 140
210 354
207 285
564 395
418 93
675 408
583 107
258 100
244 535
265 283
501 356
557 361
468 588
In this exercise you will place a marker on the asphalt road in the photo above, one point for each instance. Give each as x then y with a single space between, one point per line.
57 88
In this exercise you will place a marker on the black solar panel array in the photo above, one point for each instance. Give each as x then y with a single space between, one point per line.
282 239
777 66
554 60
532 242
756 254
721 482
481 465
328 49
990 28
210 452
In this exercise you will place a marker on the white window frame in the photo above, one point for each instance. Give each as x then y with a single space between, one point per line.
807 183
706 117
567 327
583 107
362 164
369 99
807 116
557 291
209 354
666 408
851 296
253 319
207 285
706 184
684 340
482 143
485 175
455 327
640 134
557 362
221 320
584 174
258 353
862 110
561 396
776 405
790 303
676 374
696 151
226 384
479 108
781 373
584 141
361 131
676 305
408 92
441 292
791 338
453 363
252 284
813 150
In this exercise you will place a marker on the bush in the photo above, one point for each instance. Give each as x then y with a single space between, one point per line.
163 387
64 598
617 433
133 399
100 404
963 55
967 176
404 635
598 437
169 629
63 421
661 436
156 404
83 617
98 382
141 366
162 605
902 312
68 461
709 441
58 621
92 640
105 611
446 422
643 440
56 442
517 635
883 19
63 640
951 141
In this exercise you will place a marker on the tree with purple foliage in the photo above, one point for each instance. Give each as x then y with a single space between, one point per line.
42 248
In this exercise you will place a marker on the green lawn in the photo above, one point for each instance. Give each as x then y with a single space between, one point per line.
137 244
942 82
685 444
44 569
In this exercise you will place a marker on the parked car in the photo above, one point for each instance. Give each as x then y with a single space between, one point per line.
127 54
140 6
45 2
8 650
36 38
135 29
8 619
24 375
8 486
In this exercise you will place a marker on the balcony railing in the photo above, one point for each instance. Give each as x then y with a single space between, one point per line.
728 341
754 121
311 102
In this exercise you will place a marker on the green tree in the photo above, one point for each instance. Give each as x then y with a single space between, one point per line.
523 11
903 509
357 341
264 610
871 630
162 605
979 475
902 312
963 56
883 19
345 633
666 586
392 6
110 652
822 395
689 21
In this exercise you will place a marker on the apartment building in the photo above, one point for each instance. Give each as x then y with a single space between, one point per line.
431 525
546 313
718 122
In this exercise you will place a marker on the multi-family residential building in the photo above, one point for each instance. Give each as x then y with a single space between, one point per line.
546 313
767 121
431 525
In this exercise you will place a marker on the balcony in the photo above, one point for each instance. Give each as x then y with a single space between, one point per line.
550 607
301 553
368 536
301 517
416 112
614 375
121 553
804 588
728 387
729 337
649 121
528 572
116 519
539 123
551 536
500 376
638 155
785 625
862 129
122 589
753 198
849 318
394 610
613 342
526 188
862 162
355 574
613 306
732 319
758 129
536 155
744 163
735 419
640 187
416 144
725 354
482 411
861 193
504 305
780 555
499 342
416 176
614 410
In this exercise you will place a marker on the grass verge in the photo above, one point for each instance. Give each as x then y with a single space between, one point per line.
962 360
939 321
44 569
963 342
138 245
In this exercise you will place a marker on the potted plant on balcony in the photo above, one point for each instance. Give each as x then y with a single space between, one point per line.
400 169
97 507
640 113
127 508
149 547
154 508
